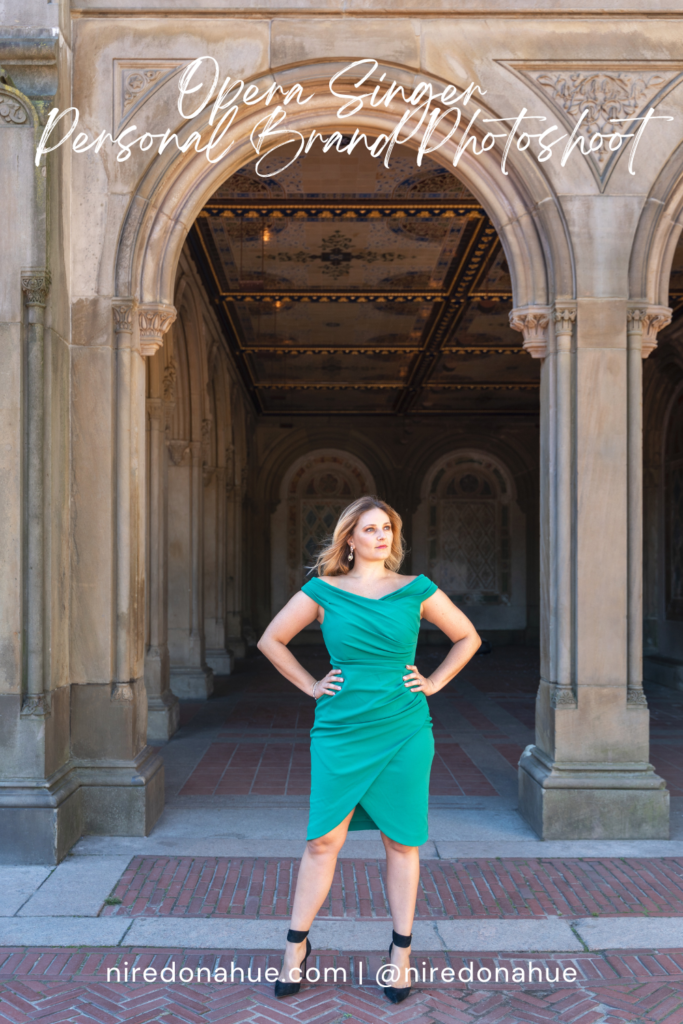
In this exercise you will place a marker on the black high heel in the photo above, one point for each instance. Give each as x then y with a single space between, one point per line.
397 995
290 988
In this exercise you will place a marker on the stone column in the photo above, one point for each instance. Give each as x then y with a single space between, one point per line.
218 656
122 778
587 775
643 324
233 554
35 285
162 704
191 677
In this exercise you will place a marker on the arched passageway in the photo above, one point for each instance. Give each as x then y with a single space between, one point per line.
367 311
350 323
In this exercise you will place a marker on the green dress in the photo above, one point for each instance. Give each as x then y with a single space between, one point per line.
372 744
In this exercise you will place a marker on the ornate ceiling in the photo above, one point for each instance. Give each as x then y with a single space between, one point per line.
344 287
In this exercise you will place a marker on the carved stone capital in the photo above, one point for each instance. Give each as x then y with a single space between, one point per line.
122 312
154 321
532 322
647 321
155 409
564 318
35 285
177 450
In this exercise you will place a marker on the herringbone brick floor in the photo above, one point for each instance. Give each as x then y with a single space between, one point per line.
501 887
58 986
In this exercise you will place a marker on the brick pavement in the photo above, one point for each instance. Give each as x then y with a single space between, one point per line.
472 888
263 745
280 768
55 986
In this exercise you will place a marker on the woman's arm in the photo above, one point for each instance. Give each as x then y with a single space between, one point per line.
440 610
299 612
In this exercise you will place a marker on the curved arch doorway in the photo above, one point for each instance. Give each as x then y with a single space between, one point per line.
361 317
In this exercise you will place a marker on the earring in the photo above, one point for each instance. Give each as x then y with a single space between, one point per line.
351 555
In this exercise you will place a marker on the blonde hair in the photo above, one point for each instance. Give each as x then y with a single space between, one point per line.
333 560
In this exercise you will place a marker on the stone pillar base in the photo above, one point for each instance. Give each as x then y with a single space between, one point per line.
592 801
221 661
124 798
192 683
40 821
163 714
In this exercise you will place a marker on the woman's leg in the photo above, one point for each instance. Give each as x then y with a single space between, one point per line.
313 884
403 877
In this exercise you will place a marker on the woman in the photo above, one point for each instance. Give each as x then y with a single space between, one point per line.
371 744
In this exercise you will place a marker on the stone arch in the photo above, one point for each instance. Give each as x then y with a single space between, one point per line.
470 537
657 235
314 490
521 204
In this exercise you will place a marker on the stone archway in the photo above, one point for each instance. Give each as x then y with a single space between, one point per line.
521 204
582 380
314 491
470 537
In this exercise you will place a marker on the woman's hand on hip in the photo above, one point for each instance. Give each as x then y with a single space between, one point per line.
328 684
417 683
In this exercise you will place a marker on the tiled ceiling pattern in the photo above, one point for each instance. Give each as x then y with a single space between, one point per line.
347 287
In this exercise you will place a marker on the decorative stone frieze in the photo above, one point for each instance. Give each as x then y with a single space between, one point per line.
647 321
11 110
603 101
532 322
154 322
35 285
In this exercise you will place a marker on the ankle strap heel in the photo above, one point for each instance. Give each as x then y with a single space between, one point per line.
294 936
402 941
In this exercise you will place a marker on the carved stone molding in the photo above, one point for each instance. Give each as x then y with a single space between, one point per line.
155 408
169 380
564 318
647 321
563 697
122 693
123 317
35 705
35 285
12 111
532 322
177 450
154 321
636 698
135 82
594 94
